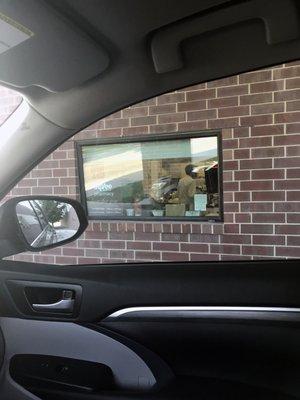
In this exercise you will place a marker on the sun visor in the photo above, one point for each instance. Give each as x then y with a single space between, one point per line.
39 47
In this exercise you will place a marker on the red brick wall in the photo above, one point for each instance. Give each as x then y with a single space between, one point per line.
260 120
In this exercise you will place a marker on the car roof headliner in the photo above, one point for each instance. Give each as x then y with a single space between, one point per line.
124 30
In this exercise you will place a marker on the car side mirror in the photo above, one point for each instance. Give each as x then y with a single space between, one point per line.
35 223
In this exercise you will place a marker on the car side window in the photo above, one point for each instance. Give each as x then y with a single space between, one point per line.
29 221
40 215
205 173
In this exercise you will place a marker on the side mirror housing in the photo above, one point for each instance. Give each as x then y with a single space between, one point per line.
35 223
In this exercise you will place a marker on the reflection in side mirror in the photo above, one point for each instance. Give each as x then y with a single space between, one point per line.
45 222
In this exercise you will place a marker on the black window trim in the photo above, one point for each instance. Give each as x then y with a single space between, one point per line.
151 138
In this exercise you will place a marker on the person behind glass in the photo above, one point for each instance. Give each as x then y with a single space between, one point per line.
187 188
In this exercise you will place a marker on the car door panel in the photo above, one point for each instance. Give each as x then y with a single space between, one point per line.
227 322
109 288
139 369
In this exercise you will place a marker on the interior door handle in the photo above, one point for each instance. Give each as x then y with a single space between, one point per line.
61 305
59 300
66 304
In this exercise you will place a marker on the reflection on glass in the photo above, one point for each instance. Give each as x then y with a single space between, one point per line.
45 222
158 179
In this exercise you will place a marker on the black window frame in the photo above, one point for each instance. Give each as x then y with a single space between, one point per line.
152 138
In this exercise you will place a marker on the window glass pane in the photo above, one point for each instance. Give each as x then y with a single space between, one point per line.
257 116
174 178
